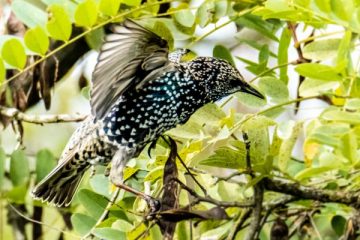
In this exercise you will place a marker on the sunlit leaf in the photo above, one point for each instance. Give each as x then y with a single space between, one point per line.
318 71
226 157
86 13
287 144
205 13
82 223
133 3
58 25
274 88
185 18
342 116
13 52
283 53
322 49
109 7
314 87
109 234
37 40
94 203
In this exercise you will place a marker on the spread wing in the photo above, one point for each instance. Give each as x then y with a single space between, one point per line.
127 57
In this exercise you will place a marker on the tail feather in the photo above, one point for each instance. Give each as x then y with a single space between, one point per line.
60 185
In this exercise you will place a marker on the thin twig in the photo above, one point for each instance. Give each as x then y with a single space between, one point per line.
41 223
239 223
209 199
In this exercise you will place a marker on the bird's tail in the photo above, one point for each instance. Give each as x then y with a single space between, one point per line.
60 185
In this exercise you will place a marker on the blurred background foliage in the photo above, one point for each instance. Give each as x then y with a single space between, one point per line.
302 54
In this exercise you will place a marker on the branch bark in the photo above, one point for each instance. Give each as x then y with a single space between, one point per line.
16 114
303 192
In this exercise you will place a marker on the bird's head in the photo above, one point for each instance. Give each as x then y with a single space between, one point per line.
220 78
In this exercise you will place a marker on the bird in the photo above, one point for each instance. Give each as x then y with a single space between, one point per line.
139 91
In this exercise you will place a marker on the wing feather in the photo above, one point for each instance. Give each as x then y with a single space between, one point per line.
126 58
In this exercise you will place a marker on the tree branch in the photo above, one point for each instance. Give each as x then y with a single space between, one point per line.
303 192
16 114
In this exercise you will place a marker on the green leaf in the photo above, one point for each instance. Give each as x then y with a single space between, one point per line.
314 87
349 146
17 194
100 184
28 13
19 168
37 40
2 167
109 7
274 88
155 174
82 223
122 225
94 203
163 31
288 144
250 100
13 52
205 13
226 157
343 51
343 9
109 234
341 116
45 162
86 13
283 53
222 52
352 104
221 9
322 49
59 24
210 114
313 172
2 71
338 224
185 18
258 24
318 71
324 5
133 3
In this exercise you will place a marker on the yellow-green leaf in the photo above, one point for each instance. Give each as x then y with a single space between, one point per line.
86 13
37 40
59 24
109 7
2 71
13 52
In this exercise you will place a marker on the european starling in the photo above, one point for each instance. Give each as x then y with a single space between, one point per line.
139 91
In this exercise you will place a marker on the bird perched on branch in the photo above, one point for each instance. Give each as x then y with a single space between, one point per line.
139 91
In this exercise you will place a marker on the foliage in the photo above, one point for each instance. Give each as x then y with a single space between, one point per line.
213 143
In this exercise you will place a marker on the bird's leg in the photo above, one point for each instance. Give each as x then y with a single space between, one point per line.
116 176
93 171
